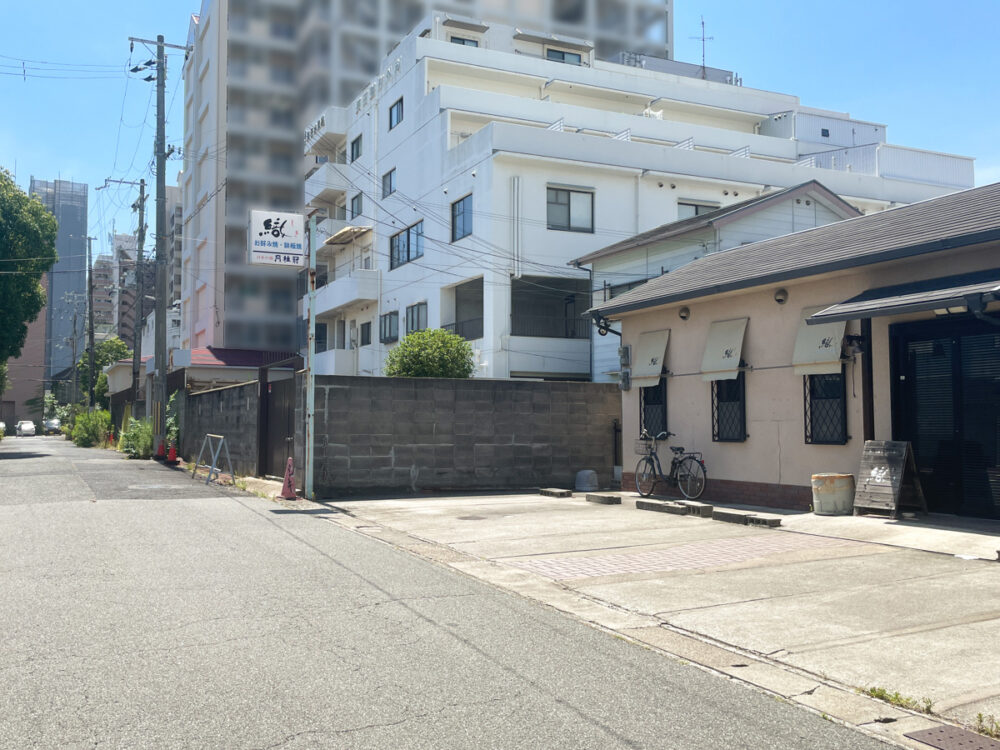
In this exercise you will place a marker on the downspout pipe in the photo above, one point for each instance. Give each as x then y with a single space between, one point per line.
977 306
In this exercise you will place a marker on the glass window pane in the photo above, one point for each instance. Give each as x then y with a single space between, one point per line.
581 211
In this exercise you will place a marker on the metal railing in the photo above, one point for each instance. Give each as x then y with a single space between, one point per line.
547 326
470 330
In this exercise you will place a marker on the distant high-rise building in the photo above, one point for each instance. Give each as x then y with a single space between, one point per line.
65 321
175 243
258 72
105 286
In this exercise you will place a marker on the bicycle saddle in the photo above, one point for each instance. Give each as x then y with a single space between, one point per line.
676 449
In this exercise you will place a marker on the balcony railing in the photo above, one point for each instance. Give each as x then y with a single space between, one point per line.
470 330
547 326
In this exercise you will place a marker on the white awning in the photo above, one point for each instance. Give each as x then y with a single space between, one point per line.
723 350
650 354
817 347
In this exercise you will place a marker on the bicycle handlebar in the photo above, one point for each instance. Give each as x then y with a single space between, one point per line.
662 436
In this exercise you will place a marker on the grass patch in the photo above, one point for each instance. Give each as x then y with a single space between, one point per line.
924 705
988 726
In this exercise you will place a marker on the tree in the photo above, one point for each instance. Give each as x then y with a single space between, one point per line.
432 353
3 377
108 351
28 249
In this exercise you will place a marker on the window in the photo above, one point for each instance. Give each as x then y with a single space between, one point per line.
729 410
356 148
464 41
687 210
388 327
366 334
396 114
407 245
570 210
826 409
653 408
824 132
320 337
558 55
416 317
461 218
389 182
615 290
357 205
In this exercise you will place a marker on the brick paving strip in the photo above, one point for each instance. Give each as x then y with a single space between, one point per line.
694 556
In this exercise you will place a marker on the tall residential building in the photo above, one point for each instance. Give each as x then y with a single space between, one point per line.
67 282
124 271
175 243
460 186
259 70
105 286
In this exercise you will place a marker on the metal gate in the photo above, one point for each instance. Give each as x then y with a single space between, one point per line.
946 401
279 429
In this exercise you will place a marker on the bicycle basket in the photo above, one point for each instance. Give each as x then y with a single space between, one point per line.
643 447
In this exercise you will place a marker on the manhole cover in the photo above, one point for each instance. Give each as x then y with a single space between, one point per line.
953 738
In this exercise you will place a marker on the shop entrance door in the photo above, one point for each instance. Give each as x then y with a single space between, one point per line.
946 402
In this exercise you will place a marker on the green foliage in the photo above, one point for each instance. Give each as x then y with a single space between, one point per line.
137 439
91 428
988 726
105 353
432 353
173 423
49 405
924 705
66 413
3 377
28 249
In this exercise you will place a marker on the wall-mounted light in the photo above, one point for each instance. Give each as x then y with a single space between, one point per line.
684 313
781 296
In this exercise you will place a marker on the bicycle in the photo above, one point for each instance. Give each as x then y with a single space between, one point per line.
687 469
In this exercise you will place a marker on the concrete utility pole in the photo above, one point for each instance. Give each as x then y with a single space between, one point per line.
160 344
90 316
137 306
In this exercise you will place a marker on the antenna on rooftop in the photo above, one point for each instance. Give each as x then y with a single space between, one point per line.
703 39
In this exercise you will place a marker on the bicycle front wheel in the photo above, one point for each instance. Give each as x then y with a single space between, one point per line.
691 478
645 476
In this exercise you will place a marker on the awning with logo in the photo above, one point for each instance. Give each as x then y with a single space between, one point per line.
650 354
817 347
723 349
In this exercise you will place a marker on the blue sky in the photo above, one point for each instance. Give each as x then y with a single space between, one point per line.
927 70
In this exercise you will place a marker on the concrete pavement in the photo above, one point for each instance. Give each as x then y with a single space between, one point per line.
810 617
140 608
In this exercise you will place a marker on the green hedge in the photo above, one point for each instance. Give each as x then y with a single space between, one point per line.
92 428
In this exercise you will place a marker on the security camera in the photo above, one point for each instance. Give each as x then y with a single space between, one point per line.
602 330
473 173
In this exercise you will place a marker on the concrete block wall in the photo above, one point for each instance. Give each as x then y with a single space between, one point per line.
230 411
424 433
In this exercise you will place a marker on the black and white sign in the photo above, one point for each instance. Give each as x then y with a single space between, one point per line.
277 239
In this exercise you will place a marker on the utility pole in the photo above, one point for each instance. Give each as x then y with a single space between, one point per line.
160 344
140 282
90 316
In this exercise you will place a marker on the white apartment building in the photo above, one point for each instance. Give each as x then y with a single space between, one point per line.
461 183
257 71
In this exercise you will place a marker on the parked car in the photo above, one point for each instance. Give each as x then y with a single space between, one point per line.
24 428
51 426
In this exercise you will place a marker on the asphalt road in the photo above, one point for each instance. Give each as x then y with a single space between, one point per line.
139 608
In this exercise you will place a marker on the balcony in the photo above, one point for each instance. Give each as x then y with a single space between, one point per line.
356 286
327 133
547 326
327 185
336 362
470 330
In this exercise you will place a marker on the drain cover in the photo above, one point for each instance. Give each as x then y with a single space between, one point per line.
953 738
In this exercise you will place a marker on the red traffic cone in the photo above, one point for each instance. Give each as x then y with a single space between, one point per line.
288 487
172 455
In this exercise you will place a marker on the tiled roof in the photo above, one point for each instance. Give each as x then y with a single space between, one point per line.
960 219
213 357
719 216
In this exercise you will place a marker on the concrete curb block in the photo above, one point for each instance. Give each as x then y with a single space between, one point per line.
555 492
662 506
731 516
702 510
604 499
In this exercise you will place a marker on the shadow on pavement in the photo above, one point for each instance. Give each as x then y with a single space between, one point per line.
21 454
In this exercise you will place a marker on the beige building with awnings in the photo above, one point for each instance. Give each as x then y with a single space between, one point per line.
779 359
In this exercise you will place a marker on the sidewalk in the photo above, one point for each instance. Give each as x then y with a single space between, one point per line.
811 611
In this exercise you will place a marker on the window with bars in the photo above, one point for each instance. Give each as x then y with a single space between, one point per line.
461 218
653 408
729 410
388 327
825 407
406 245
416 317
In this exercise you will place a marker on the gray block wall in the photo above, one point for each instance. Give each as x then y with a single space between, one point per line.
231 412
425 434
